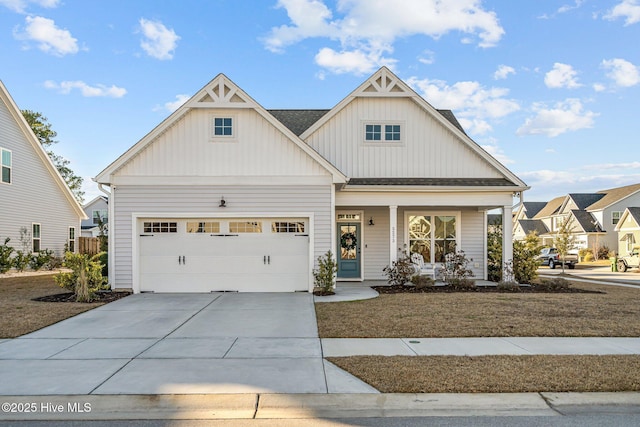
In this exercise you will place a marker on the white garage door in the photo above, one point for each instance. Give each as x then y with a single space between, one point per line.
205 255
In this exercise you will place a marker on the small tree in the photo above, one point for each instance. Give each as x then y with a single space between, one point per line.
5 256
494 253
324 276
457 273
525 264
564 240
85 278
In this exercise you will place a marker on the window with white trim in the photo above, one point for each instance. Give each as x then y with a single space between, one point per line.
631 241
433 235
100 215
245 227
6 163
223 127
160 227
36 231
287 227
615 217
72 239
382 132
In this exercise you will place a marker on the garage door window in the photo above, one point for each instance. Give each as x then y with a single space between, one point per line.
245 227
203 227
287 227
160 227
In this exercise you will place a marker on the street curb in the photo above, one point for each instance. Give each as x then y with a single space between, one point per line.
602 402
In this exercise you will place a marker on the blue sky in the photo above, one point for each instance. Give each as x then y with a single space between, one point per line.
550 88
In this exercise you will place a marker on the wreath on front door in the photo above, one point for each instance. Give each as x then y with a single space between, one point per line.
348 241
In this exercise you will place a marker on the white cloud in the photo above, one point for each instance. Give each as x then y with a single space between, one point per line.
159 42
355 61
563 117
427 57
569 7
628 9
473 103
49 38
599 87
616 166
503 72
21 5
368 28
562 75
98 90
622 72
492 148
172 106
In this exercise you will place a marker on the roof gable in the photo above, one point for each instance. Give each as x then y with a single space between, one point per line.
551 208
387 86
613 195
630 219
41 154
220 94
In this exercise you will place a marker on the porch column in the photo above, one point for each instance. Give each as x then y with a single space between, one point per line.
507 238
393 234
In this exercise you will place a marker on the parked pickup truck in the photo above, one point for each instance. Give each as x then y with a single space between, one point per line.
630 261
551 257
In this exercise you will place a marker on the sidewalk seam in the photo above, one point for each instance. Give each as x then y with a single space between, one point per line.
548 402
255 412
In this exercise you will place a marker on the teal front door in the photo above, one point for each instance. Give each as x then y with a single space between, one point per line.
349 250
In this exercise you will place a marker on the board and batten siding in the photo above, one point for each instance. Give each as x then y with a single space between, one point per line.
188 149
33 195
428 149
266 200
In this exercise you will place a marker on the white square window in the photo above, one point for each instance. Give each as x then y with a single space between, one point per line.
223 126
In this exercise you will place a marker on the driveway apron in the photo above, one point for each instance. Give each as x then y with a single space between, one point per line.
177 344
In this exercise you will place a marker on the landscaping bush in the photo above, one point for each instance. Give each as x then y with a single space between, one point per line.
21 260
603 252
525 264
456 268
85 278
494 254
555 284
422 282
400 271
508 286
54 262
5 256
41 259
324 276
461 284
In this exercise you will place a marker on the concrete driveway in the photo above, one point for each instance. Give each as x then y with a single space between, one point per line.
178 344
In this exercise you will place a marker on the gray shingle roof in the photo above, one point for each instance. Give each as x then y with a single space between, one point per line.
635 213
583 200
440 182
298 121
586 221
532 208
533 225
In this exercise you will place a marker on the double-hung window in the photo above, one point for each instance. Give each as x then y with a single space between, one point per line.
100 215
72 239
615 217
35 237
6 164
382 132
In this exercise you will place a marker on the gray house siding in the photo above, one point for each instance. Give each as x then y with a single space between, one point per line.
33 195
181 200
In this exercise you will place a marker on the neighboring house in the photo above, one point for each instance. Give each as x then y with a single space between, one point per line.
628 229
225 195
96 210
594 217
34 197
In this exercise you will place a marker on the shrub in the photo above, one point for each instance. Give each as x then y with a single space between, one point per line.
494 254
400 271
324 276
525 264
54 262
5 256
462 284
555 284
603 252
104 260
422 282
508 286
456 266
39 260
85 278
21 260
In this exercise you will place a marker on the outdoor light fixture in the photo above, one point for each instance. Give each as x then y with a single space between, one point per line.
371 221
223 203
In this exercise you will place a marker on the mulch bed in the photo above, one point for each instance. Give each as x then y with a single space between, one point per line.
399 289
104 297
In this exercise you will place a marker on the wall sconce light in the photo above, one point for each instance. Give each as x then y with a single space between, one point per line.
223 203
371 221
